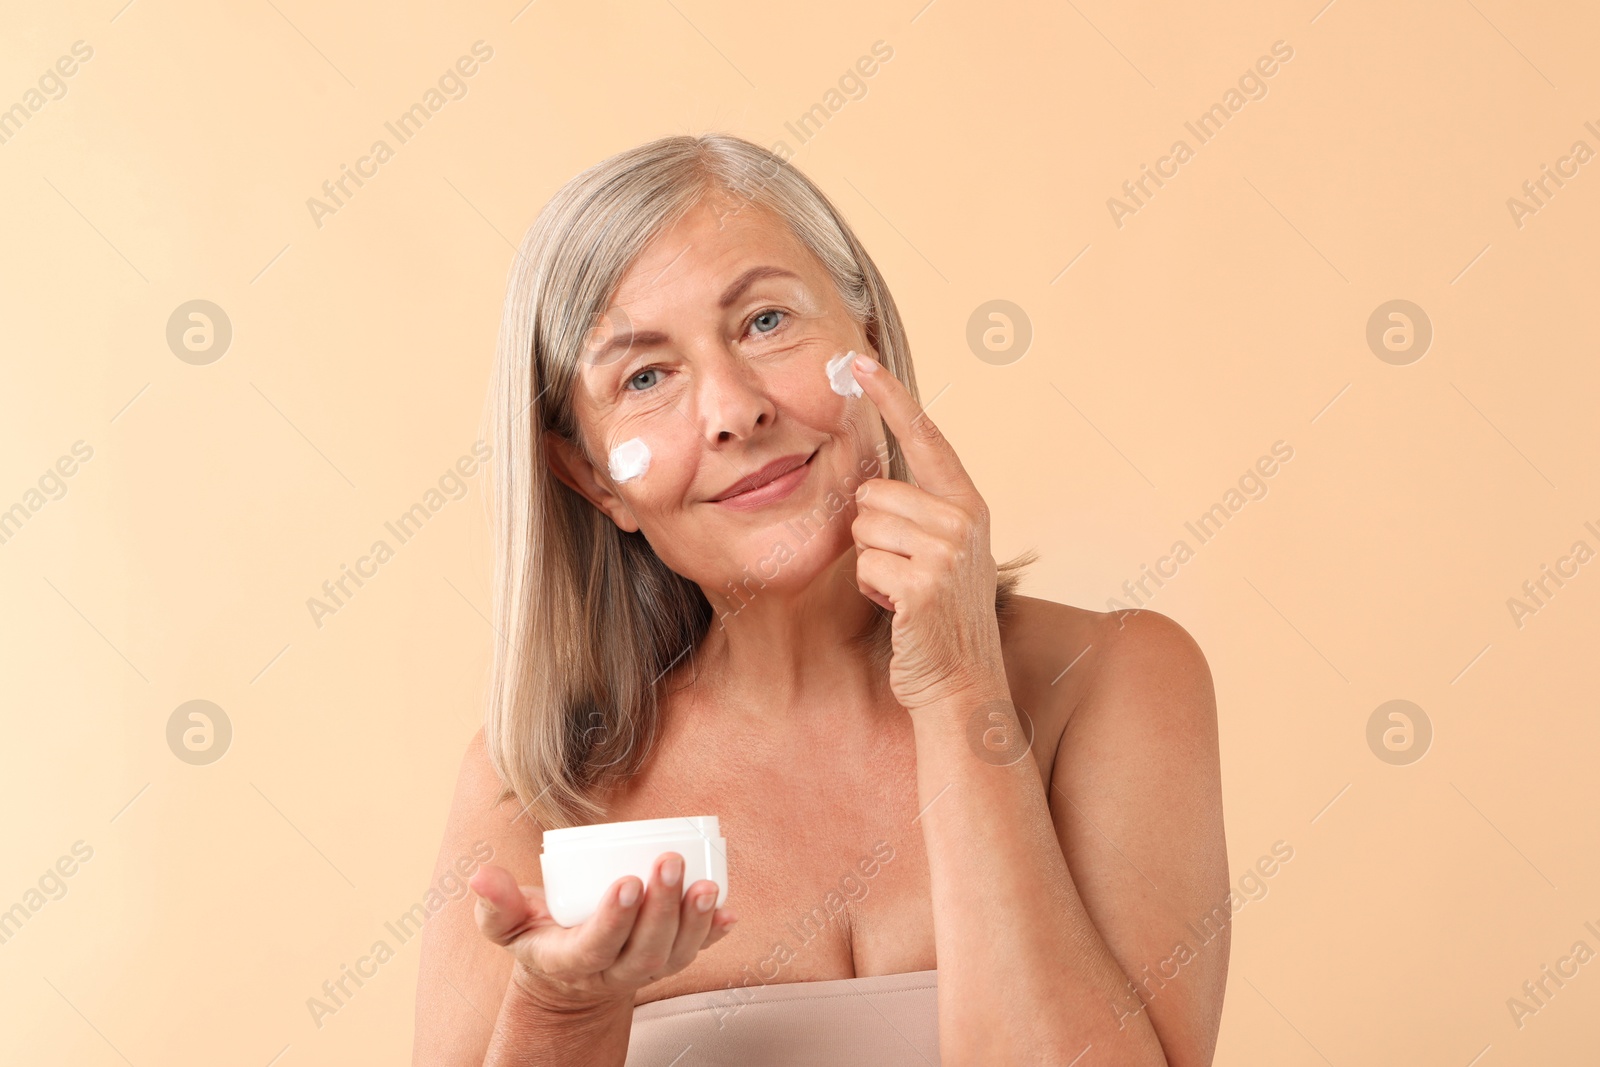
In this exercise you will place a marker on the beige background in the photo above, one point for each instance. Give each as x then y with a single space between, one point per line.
1228 313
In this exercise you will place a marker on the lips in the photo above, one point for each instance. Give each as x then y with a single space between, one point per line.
771 472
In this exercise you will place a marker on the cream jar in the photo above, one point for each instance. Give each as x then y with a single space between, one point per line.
580 863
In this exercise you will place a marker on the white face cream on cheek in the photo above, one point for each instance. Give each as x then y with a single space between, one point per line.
629 460
840 377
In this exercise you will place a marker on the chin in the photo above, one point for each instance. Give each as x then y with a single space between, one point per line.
792 554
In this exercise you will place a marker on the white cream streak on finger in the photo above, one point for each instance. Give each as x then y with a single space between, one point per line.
629 460
840 376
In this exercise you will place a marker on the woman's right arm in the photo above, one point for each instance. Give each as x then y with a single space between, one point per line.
532 1030
463 981
500 983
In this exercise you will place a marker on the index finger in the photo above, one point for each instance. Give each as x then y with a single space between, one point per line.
929 454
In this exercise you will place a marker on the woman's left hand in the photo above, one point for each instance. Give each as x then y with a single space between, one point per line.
923 553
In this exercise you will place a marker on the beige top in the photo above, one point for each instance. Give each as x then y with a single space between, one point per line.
886 1020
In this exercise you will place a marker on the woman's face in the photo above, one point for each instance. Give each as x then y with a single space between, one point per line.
714 354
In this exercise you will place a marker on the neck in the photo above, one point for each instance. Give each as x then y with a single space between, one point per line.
779 648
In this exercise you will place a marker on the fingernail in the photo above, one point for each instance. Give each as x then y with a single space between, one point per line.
705 901
866 364
629 895
671 871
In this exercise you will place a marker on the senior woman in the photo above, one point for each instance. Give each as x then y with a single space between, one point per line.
740 572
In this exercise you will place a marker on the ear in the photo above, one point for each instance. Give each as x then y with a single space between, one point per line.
578 474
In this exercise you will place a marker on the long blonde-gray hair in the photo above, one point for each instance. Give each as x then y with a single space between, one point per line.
590 619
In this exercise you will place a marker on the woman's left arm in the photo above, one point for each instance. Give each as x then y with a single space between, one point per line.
1048 908
1095 919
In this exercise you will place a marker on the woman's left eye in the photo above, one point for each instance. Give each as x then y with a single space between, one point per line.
627 385
770 315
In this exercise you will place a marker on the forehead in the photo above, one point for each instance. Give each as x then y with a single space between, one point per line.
718 239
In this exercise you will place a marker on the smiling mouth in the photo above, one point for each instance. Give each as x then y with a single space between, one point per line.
772 490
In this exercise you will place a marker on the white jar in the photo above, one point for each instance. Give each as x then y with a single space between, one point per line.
581 862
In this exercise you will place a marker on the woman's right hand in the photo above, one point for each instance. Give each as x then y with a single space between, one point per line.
615 951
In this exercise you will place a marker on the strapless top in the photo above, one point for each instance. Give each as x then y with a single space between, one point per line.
886 1020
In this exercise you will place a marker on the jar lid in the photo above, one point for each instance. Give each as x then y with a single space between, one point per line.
634 829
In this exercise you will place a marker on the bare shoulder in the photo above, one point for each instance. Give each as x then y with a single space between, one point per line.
1123 669
1072 650
462 975
1150 661
1053 653
1062 659
1049 648
1050 652
481 808
1136 798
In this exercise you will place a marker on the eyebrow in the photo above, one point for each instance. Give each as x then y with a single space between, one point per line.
732 293
749 278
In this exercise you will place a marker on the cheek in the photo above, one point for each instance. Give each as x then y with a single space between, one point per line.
809 397
852 423
652 464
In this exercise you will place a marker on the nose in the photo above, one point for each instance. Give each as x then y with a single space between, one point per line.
733 397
